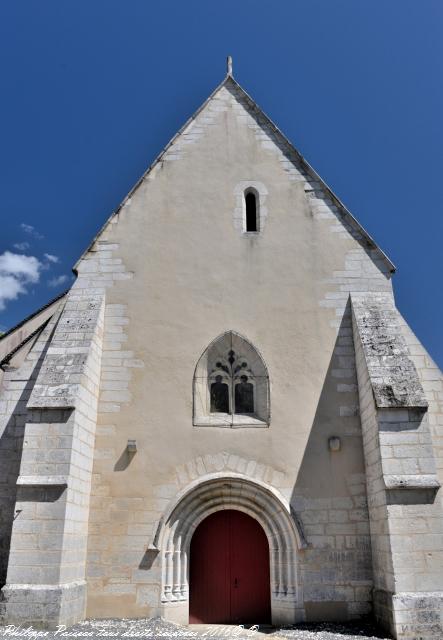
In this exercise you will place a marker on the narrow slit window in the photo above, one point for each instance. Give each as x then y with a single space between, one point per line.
251 211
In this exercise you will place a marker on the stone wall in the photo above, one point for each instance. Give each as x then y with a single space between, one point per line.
152 345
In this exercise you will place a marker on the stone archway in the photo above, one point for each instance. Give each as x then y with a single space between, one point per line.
230 491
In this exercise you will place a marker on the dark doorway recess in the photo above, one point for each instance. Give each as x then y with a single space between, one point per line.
229 571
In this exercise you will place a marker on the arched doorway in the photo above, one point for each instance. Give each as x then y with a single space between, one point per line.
229 570
223 491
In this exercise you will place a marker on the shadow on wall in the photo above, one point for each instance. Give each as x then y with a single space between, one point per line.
329 496
148 559
124 460
11 447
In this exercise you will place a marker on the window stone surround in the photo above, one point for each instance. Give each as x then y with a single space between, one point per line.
207 368
261 192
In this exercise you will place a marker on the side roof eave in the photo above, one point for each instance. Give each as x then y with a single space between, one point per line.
12 341
286 143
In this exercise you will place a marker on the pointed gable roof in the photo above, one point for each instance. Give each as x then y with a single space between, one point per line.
289 150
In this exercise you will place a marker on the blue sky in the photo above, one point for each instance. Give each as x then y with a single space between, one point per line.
92 91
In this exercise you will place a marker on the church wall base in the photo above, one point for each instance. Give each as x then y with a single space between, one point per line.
282 613
410 615
43 605
177 612
383 614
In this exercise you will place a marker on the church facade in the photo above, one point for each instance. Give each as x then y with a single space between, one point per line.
227 402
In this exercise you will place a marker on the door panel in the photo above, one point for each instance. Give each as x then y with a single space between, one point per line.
229 571
250 582
209 599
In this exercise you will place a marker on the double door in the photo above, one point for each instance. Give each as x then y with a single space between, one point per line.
229 571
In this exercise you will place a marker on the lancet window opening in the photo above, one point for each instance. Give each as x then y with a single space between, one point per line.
251 211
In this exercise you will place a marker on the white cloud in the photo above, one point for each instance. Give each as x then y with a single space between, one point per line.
16 272
52 258
25 267
10 288
22 246
30 230
57 281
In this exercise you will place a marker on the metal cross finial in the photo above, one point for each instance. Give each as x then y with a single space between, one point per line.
229 65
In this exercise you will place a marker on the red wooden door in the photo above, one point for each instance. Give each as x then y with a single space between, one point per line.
229 571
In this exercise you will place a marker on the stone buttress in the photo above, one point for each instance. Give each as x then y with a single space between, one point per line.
46 570
405 515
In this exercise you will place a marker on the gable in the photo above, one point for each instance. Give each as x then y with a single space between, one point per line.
323 202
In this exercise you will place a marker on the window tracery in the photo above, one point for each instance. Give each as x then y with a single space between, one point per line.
231 385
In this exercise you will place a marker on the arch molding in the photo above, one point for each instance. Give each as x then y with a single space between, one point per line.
261 502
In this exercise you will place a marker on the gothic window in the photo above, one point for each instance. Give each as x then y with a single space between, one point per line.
251 219
231 385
